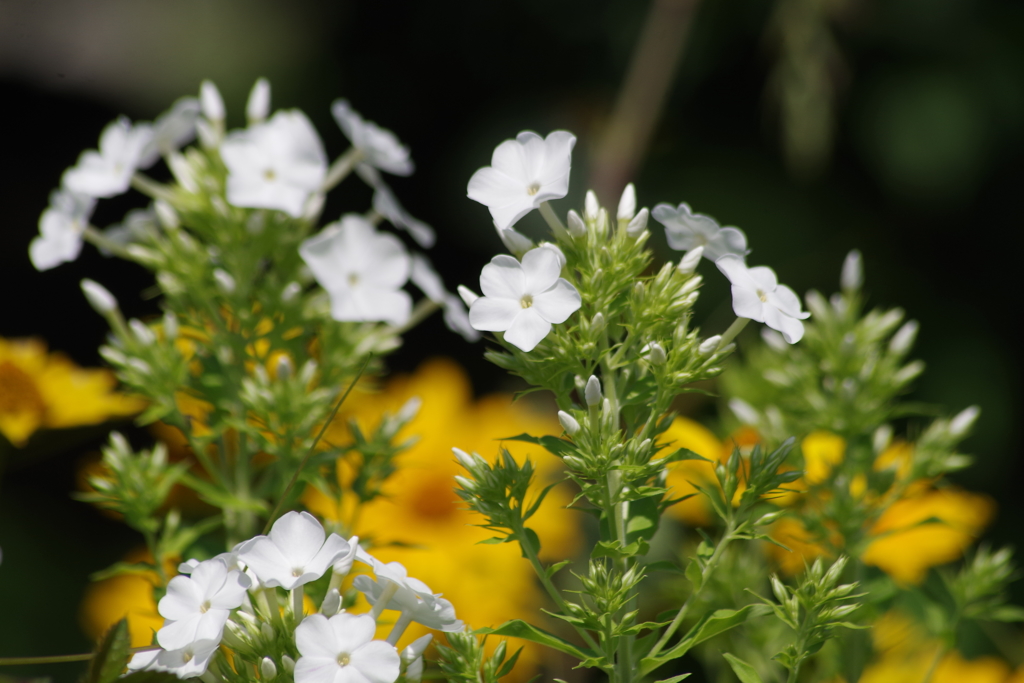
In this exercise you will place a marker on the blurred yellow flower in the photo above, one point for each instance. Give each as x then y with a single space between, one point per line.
685 433
41 390
127 595
487 584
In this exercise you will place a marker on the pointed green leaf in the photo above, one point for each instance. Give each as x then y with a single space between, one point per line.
111 656
517 628
709 626
743 671
674 679
554 445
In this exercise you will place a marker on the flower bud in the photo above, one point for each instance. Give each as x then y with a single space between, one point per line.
639 291
744 411
773 339
574 462
963 421
709 345
258 106
597 323
576 226
592 394
166 215
627 204
580 384
256 222
568 422
142 332
290 291
908 372
170 326
268 670
465 483
468 295
881 439
688 264
657 354
267 631
284 368
852 276
225 282
904 338
182 172
590 206
331 604
515 241
416 648
464 458
288 664
409 410
211 101
99 297
638 224
602 222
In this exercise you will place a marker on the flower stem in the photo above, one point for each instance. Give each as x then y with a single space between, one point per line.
151 188
101 241
556 224
297 603
730 334
341 168
399 628
385 597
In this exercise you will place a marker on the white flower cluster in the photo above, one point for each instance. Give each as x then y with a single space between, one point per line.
276 163
523 299
218 595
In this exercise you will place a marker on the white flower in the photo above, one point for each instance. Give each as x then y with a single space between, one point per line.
523 173
757 294
186 662
380 148
523 299
342 650
385 203
362 269
294 553
60 229
426 278
197 607
108 172
173 129
409 595
275 165
686 230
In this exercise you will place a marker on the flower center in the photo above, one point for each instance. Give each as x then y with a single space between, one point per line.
533 189
269 175
344 658
762 296
353 279
526 301
18 391
205 607
297 572
187 656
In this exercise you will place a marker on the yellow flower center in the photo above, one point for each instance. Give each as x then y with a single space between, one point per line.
433 498
269 175
344 658
18 391
526 301
205 607
297 572
533 189
762 296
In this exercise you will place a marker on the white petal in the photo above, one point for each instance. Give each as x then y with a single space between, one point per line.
378 661
786 300
299 536
456 317
333 548
493 315
764 277
747 304
314 637
791 328
527 330
540 270
269 564
372 305
350 631
426 278
182 599
557 303
505 196
316 669
503 278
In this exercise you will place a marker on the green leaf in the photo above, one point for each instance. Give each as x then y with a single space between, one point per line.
517 628
743 671
506 667
674 679
111 655
683 454
553 569
119 568
531 541
494 540
709 626
1005 613
554 445
694 574
644 515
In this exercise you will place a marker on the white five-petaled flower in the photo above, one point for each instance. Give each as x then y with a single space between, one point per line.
686 230
524 173
342 650
523 299
410 596
362 269
275 165
186 662
380 147
197 607
757 294
60 229
108 171
385 203
294 553
426 278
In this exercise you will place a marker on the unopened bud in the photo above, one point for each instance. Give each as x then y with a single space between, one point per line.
331 604
639 291
416 648
268 670
99 297
627 204
774 339
688 264
580 383
284 368
465 483
166 215
908 372
598 322
258 106
590 206
574 462
709 345
963 421
515 241
170 326
409 410
267 631
744 411
142 332
468 295
904 337
464 458
852 276
592 394
288 664
638 224
576 226
881 439
211 101
657 355
290 291
568 422
225 282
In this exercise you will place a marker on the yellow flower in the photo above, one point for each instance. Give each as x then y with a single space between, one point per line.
40 390
487 584
685 433
127 595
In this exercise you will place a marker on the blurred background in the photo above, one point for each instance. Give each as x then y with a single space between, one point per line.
892 126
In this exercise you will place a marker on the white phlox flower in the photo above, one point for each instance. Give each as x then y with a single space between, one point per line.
60 229
196 607
294 553
429 282
686 230
341 649
523 299
380 147
523 173
186 662
172 130
362 269
275 165
757 294
108 171
135 225
385 203
409 595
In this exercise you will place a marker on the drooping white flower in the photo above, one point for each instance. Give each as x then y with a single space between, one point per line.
275 165
60 229
385 203
686 230
197 607
523 299
108 171
173 129
757 294
523 173
429 282
186 662
362 269
380 147
341 649
294 553
408 595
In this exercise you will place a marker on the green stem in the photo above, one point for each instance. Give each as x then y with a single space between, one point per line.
341 168
730 334
101 241
58 659
554 222
152 188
